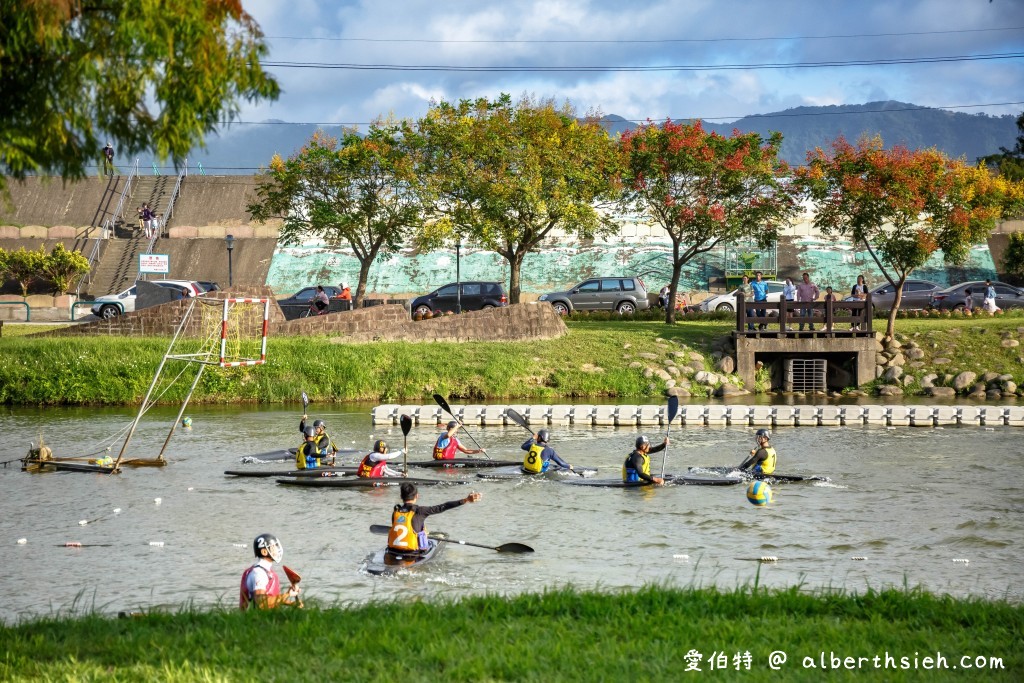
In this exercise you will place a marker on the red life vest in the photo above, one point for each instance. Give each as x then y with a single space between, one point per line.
371 470
245 598
445 452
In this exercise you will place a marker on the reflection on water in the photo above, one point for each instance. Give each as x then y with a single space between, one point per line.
908 501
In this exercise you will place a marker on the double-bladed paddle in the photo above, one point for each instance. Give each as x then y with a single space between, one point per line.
448 409
406 423
503 548
521 421
673 409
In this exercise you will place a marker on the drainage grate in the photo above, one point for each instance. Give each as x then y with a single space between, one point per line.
805 374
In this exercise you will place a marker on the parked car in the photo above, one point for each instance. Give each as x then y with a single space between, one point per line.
916 294
208 286
297 304
476 296
623 294
727 302
105 306
955 297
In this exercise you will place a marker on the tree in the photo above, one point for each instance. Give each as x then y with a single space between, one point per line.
705 189
24 266
903 205
506 175
361 192
151 75
1009 162
61 267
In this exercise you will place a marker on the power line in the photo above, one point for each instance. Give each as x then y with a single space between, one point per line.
703 118
649 68
647 41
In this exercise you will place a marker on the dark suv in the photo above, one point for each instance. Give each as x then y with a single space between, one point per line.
623 294
298 303
476 296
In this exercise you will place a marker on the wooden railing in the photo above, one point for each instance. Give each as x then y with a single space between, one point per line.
787 316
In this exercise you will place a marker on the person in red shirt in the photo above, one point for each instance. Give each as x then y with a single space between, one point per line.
447 443
260 586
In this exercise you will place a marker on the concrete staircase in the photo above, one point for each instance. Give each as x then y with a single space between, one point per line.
154 190
119 266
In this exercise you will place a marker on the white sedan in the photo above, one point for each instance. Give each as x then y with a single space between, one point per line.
107 306
727 302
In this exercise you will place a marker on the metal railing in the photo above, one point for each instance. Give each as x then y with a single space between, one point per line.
28 310
107 226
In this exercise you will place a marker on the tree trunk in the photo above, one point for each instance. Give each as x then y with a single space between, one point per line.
364 273
673 287
890 328
515 262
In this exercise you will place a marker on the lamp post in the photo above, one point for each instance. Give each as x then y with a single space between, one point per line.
458 274
229 240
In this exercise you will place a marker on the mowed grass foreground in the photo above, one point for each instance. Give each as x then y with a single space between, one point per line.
592 361
652 634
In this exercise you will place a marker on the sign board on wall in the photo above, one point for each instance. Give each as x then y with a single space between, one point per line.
154 263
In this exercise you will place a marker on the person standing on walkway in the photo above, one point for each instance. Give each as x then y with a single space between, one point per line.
859 292
807 292
748 296
760 290
108 160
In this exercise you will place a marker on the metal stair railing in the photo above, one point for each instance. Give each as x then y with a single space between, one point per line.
108 226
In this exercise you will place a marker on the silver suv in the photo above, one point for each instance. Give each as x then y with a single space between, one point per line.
623 294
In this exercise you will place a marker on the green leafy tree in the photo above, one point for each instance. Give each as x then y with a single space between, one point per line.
1013 259
24 266
360 192
151 75
61 267
903 205
705 189
508 175
1009 162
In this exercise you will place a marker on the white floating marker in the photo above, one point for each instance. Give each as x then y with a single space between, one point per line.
961 560
769 558
858 558
158 500
239 545
83 522
117 511
157 544
191 488
73 544
22 541
681 558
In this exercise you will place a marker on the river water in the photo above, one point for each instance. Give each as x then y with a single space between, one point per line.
909 501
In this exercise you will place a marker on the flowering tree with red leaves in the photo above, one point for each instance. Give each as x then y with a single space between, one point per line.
904 205
705 189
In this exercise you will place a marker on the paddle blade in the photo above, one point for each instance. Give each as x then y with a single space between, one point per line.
673 408
379 529
514 548
439 399
293 576
305 401
406 422
518 419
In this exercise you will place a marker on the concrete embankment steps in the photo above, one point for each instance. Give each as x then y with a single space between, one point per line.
118 266
709 415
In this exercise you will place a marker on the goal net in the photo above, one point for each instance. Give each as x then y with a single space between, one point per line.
232 332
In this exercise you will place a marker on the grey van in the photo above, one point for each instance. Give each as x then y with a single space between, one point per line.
623 294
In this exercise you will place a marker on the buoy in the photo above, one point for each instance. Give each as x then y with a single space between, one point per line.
769 558
681 557
157 544
83 522
117 511
158 500
240 545
858 557
22 541
73 544
961 560
191 488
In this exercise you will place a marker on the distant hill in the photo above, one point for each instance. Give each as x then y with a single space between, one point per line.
243 149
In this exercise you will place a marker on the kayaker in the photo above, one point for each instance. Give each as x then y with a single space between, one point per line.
307 456
762 456
324 443
539 455
260 585
447 443
638 464
408 533
375 464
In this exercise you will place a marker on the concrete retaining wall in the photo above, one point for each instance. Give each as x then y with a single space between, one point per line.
711 415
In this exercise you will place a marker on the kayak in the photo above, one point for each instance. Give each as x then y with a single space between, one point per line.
669 479
282 455
556 474
774 477
388 562
362 482
605 483
61 466
464 462
692 480
318 472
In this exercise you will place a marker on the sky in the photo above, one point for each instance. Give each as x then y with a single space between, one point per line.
504 40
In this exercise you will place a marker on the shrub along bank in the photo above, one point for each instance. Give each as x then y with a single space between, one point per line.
597 359
651 634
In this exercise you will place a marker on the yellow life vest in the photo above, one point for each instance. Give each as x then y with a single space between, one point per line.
402 536
534 463
645 468
768 465
301 455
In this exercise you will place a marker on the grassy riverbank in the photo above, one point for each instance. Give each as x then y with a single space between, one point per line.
592 361
558 636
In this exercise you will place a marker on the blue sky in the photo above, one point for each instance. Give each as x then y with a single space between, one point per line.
598 33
